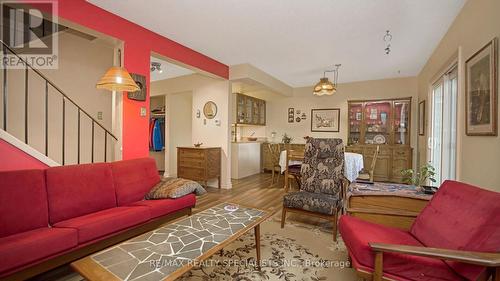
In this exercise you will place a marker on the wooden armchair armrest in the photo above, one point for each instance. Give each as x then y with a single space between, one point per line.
491 260
478 258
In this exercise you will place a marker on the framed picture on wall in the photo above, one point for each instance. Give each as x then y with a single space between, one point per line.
421 118
140 95
291 115
481 92
325 120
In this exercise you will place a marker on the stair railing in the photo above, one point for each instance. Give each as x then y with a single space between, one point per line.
65 98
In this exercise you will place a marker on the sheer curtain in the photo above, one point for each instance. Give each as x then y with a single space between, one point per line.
443 127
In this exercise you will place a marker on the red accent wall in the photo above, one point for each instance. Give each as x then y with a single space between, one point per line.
139 43
12 158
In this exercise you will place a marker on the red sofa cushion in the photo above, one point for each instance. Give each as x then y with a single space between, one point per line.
102 223
23 201
357 233
461 217
134 179
30 246
163 207
78 190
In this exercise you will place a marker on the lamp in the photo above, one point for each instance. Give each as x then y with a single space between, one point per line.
324 86
117 79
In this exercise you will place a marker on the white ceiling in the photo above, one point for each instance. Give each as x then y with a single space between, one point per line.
169 70
295 40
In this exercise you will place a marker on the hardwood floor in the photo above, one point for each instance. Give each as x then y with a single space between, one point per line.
255 191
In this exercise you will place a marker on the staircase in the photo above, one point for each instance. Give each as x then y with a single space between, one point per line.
29 104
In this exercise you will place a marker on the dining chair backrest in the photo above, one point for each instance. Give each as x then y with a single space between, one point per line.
274 150
323 167
374 160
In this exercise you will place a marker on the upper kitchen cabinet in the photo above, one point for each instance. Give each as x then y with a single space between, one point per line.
250 110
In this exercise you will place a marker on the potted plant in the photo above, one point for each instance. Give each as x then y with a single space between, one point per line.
419 177
286 139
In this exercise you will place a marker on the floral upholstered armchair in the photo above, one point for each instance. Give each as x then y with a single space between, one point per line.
322 182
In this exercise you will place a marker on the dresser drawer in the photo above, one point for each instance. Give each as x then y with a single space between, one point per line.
191 153
401 153
191 162
191 173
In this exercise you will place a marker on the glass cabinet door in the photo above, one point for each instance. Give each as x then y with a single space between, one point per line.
248 110
401 122
355 122
240 109
377 122
262 113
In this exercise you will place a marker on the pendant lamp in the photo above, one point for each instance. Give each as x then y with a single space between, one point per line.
325 86
117 79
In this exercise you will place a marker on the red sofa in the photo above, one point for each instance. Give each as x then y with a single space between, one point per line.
50 213
459 217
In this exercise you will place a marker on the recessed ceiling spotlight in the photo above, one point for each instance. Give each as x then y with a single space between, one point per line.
156 66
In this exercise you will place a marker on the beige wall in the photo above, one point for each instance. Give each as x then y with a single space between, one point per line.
477 23
81 64
202 90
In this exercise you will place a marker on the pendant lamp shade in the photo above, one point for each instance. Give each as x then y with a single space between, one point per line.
117 79
324 87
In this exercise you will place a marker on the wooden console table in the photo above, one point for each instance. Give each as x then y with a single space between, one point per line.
395 205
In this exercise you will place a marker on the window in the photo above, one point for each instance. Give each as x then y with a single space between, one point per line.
443 130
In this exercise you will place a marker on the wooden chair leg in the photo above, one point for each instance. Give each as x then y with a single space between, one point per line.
379 265
272 177
283 217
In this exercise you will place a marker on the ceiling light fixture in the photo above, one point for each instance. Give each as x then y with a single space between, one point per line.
387 40
156 66
324 86
117 79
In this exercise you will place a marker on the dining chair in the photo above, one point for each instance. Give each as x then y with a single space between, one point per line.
274 151
367 175
322 182
292 172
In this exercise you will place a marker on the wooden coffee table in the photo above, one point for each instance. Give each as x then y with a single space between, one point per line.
173 249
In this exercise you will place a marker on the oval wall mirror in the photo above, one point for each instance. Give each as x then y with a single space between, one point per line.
210 110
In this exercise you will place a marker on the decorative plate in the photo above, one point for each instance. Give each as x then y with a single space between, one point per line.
379 139
231 208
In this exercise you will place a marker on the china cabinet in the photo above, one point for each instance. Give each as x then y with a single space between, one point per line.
250 110
386 123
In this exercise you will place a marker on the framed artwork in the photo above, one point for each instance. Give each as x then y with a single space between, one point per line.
481 92
421 118
140 95
291 115
210 110
325 120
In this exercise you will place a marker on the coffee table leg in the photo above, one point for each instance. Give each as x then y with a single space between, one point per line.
257 243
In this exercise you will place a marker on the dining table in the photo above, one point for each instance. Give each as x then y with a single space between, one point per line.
353 164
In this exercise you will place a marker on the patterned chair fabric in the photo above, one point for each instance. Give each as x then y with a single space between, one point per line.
321 174
323 167
313 202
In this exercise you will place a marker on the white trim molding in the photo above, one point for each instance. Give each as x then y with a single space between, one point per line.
27 149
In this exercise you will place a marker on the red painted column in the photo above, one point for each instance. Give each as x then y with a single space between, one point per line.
135 126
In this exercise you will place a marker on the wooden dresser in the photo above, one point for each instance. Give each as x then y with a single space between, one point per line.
199 163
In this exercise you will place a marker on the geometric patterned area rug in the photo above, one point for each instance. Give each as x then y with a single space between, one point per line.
296 252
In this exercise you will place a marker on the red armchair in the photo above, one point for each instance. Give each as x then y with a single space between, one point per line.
455 237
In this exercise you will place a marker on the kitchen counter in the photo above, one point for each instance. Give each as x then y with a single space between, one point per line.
245 159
